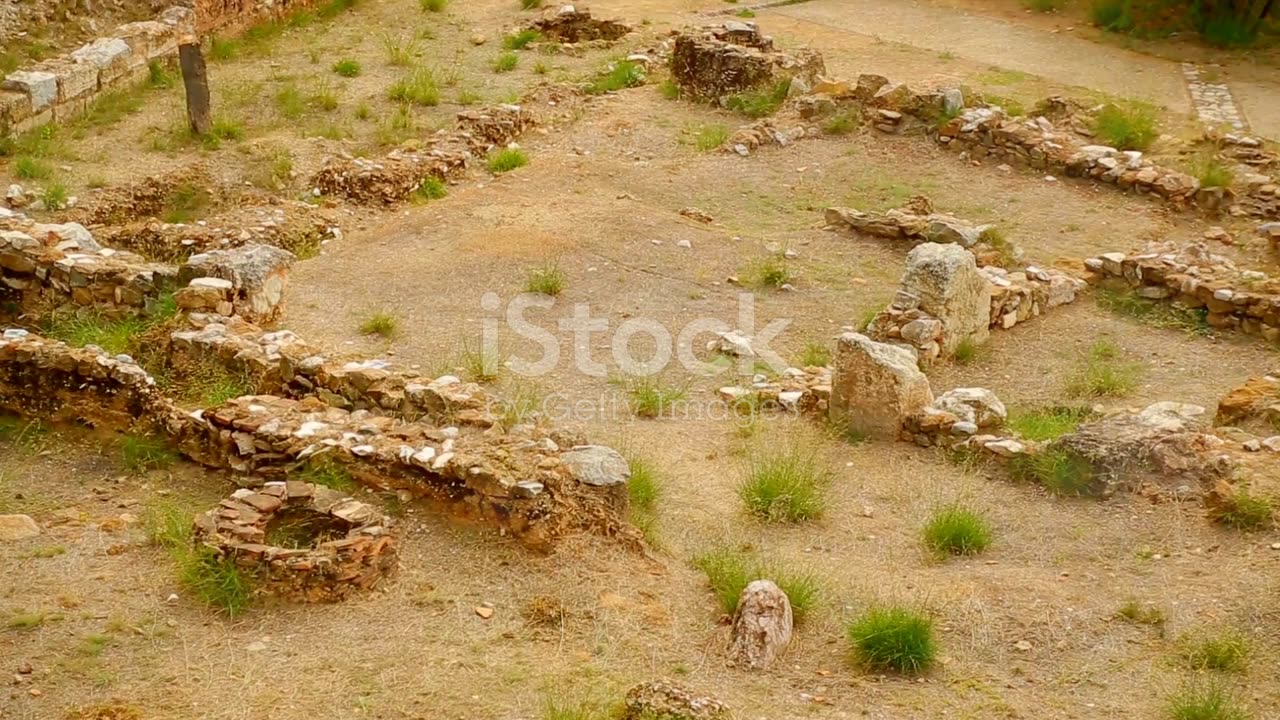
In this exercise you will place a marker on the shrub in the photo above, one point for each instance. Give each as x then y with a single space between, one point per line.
347 67
1046 423
433 5
620 75
546 279
1243 511
418 87
506 62
432 189
815 354
29 168
650 397
1211 172
893 638
518 40
730 570
1126 128
956 530
1205 701
505 160
54 196
1224 652
786 484
380 323
759 103
1060 471
842 123
141 453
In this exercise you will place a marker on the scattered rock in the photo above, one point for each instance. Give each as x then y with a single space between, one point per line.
597 465
875 385
663 700
761 625
17 527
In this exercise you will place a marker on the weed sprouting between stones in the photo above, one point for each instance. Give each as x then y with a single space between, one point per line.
1059 470
1046 423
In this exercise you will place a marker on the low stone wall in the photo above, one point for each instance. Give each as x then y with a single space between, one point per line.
1194 278
532 482
401 172
716 62
60 88
281 363
44 265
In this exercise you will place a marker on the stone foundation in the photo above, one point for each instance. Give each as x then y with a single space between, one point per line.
572 25
720 61
1195 279
361 553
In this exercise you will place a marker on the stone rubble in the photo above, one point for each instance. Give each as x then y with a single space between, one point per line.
665 700
571 25
1194 278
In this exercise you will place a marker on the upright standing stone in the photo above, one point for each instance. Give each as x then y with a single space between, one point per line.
762 625
195 79
946 280
875 385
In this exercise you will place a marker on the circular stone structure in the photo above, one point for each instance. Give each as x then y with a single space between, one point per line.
301 541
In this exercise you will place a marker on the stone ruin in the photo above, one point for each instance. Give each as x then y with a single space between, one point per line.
571 25
1193 278
446 155
714 63
44 265
665 700
345 546
59 88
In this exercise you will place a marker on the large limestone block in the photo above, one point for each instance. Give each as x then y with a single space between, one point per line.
875 385
41 87
946 280
761 626
258 273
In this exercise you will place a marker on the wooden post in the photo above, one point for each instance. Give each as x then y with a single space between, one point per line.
196 82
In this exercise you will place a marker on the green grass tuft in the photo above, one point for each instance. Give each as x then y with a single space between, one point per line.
815 354
347 67
506 62
29 168
417 88
621 74
479 364
707 137
893 638
214 580
730 570
1244 511
518 40
505 160
433 5
956 530
431 189
1140 613
54 196
784 484
759 103
320 470
769 272
140 453
1155 313
1211 171
842 123
1058 470
966 352
1131 127
1046 423
380 323
1210 700
650 397
1227 651
546 279
400 53
1101 373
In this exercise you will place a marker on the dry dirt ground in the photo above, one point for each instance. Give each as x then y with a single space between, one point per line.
1027 630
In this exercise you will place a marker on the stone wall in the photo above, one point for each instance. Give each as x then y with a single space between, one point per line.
45 265
60 88
532 482
1195 279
